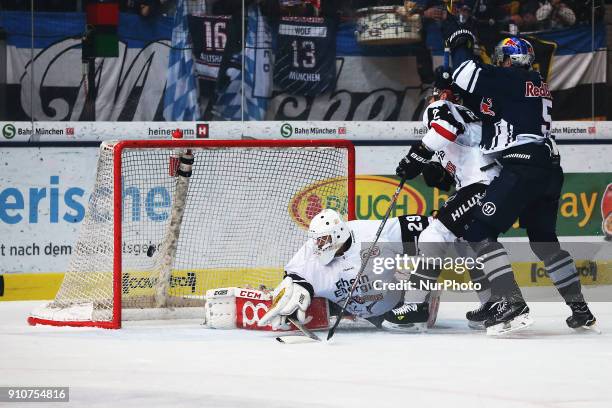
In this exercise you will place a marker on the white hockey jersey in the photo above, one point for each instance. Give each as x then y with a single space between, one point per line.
454 132
333 281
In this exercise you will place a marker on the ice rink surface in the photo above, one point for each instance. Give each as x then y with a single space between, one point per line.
182 364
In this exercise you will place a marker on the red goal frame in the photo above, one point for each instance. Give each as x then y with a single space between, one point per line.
186 144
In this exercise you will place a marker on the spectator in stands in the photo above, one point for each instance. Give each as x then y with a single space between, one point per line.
583 9
524 16
555 14
144 8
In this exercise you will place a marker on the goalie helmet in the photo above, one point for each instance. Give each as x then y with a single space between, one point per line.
519 51
328 232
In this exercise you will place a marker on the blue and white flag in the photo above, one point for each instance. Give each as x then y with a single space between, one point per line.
258 65
181 94
257 84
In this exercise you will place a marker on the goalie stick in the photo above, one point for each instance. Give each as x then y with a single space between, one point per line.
308 336
366 258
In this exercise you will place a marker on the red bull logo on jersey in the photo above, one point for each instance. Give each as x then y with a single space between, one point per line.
534 91
486 106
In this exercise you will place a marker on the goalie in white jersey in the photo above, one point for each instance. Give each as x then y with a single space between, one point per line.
328 263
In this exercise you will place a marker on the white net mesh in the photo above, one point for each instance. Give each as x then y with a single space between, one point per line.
245 213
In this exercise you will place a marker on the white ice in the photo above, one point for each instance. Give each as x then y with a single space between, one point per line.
181 364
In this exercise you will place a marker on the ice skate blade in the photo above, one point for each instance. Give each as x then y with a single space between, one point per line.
592 328
518 323
476 325
405 328
295 339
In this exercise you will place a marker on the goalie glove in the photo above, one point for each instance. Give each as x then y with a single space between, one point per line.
288 298
412 165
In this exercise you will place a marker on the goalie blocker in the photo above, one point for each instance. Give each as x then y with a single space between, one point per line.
240 308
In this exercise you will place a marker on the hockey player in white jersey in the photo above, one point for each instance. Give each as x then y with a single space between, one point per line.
328 263
450 146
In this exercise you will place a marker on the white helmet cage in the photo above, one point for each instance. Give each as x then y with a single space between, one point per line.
328 223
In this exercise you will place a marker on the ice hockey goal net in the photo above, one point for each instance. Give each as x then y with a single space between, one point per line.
168 220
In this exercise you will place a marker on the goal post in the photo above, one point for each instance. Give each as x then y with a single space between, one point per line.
168 220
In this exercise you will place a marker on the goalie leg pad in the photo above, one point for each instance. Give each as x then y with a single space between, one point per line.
242 308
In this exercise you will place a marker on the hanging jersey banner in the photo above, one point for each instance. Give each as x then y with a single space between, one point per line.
305 55
209 36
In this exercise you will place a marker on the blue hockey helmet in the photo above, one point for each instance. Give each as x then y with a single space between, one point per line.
519 51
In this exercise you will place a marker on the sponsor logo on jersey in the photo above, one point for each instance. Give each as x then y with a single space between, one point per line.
361 299
451 168
521 156
465 207
486 106
344 286
489 208
534 91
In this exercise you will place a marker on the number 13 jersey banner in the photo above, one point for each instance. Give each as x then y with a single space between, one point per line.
305 55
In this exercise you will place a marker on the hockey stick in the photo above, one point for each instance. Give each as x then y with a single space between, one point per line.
447 51
307 338
446 55
365 259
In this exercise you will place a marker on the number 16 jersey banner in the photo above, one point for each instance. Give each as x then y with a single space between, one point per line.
305 61
209 36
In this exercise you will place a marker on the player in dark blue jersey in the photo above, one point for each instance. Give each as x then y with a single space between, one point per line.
515 106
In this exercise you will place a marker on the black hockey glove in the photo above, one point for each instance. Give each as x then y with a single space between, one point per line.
412 165
458 35
443 77
435 176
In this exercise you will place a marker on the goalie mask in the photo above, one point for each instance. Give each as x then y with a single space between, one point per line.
329 232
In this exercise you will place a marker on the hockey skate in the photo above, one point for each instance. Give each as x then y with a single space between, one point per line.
509 316
581 317
476 318
409 317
